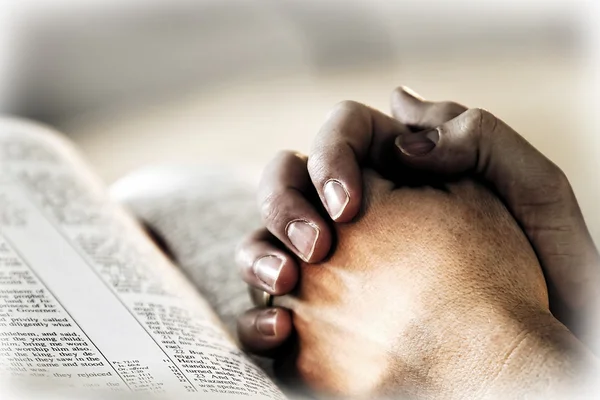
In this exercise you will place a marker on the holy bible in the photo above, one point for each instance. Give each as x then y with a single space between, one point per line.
88 303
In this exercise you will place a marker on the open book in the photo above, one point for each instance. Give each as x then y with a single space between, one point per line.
87 301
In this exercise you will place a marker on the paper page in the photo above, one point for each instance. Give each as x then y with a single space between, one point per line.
199 212
87 300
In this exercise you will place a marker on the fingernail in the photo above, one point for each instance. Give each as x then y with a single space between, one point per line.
303 236
418 143
266 322
336 198
412 93
267 269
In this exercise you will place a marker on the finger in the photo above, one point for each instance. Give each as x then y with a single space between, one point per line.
264 265
413 110
286 212
353 136
534 189
261 330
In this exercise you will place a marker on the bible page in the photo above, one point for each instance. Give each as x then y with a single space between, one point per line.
87 301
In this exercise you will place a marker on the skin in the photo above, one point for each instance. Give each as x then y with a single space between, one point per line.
423 137
459 296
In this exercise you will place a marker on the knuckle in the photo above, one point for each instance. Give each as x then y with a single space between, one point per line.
317 165
244 260
270 208
284 156
472 118
479 122
314 162
241 250
324 375
348 107
305 368
244 324
552 186
487 122
560 179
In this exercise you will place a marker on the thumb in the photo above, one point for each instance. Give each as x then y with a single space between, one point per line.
534 189
413 110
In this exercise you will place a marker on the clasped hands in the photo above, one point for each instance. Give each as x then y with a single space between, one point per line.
434 253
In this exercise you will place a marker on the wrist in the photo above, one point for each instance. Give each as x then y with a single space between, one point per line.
547 361
531 355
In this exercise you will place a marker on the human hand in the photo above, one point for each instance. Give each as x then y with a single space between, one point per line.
450 140
430 292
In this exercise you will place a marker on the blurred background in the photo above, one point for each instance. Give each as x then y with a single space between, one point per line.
137 82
